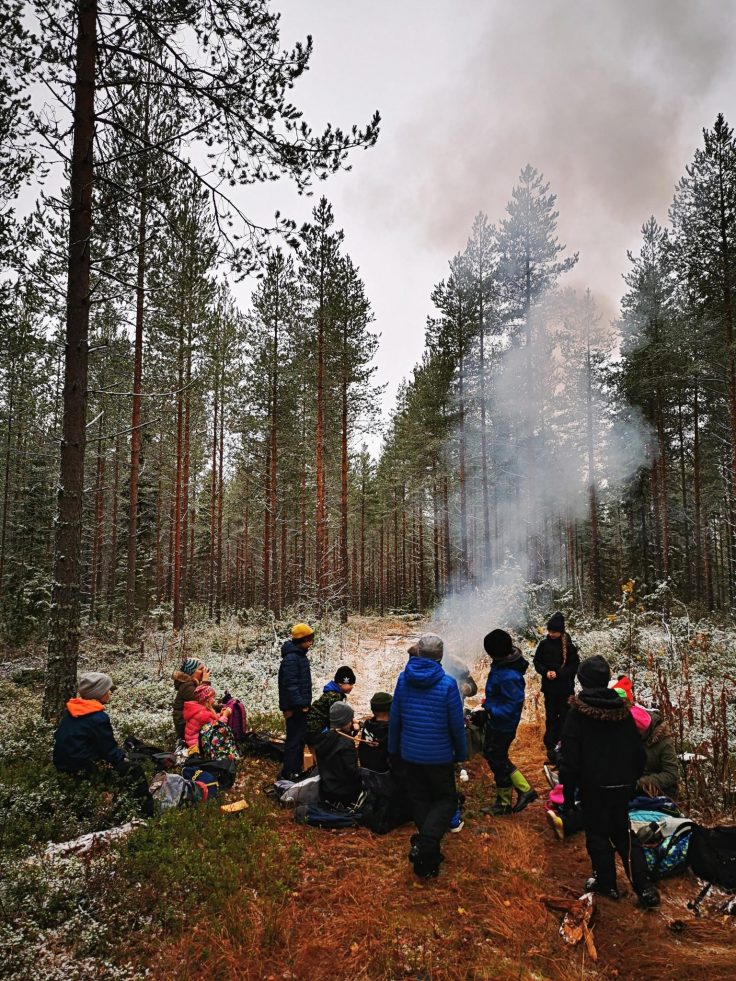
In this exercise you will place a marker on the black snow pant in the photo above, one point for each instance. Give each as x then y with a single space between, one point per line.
607 831
296 734
496 751
431 791
555 711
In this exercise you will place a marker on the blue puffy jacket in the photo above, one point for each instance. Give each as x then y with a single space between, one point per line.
85 737
426 723
295 678
505 692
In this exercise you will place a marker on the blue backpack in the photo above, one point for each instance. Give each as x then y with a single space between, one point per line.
323 816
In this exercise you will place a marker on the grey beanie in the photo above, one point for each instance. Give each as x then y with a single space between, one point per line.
94 684
340 715
428 645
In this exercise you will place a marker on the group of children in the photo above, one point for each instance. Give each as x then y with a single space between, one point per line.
606 747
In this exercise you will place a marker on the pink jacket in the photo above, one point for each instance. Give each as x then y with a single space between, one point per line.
195 716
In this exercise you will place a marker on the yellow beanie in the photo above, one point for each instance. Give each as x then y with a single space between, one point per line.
301 631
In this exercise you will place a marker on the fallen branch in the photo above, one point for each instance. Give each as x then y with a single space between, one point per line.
85 844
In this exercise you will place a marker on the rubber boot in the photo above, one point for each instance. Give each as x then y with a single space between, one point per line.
504 797
526 794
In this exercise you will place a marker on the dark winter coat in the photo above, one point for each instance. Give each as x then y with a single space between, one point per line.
374 757
505 689
426 724
318 718
661 767
458 670
600 743
184 685
548 657
295 678
339 776
85 737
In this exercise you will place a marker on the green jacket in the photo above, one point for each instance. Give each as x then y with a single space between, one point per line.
318 717
662 767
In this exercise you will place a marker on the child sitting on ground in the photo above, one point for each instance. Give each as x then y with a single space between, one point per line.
337 690
339 775
602 754
373 750
85 738
505 690
190 674
201 712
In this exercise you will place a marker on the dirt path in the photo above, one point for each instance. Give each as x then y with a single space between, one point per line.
358 912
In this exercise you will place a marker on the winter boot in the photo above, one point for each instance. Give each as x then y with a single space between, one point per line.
526 794
649 897
556 823
591 885
504 796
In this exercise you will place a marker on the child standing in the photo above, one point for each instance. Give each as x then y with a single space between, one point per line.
556 660
504 701
295 696
602 754
337 690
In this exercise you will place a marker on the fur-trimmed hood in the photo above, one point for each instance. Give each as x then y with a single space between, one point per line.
658 729
179 679
600 703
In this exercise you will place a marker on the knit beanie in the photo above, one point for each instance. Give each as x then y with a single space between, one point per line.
94 684
203 693
498 644
381 702
301 631
556 623
428 645
189 665
345 676
340 715
594 672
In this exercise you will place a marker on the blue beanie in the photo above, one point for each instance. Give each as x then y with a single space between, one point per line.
189 665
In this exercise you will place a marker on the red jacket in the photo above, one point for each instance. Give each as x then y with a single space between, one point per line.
195 716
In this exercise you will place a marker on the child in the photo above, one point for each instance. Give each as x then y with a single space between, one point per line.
556 660
337 690
504 701
84 738
602 754
373 750
191 673
295 696
339 776
201 712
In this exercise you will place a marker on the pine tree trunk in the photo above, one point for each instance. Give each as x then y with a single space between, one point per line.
487 557
462 481
183 586
6 481
273 452
662 483
361 584
64 626
99 516
344 489
178 618
725 248
683 493
112 572
595 575
213 504
701 553
320 517
220 498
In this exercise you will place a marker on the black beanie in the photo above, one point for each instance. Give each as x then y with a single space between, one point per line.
556 623
381 702
594 672
498 644
345 676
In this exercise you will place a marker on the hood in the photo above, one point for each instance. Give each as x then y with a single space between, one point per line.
77 707
179 679
515 660
600 703
192 709
657 729
289 647
333 686
423 672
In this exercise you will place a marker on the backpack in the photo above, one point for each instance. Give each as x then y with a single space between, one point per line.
320 815
217 742
303 792
205 783
238 720
386 805
170 790
264 745
713 855
668 855
137 752
224 771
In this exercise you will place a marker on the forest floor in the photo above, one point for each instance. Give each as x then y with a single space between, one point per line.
355 909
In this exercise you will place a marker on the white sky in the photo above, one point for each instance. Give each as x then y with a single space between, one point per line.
606 97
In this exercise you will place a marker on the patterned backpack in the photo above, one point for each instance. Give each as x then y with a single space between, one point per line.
217 742
665 839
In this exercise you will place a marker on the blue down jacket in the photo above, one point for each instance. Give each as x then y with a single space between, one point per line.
426 723
295 678
505 692
81 741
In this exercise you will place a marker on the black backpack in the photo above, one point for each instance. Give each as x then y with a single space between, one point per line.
712 855
224 771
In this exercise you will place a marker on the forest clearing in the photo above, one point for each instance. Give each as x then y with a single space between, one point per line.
309 411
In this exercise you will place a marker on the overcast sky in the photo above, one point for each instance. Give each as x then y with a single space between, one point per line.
606 97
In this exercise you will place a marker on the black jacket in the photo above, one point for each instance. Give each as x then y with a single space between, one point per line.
601 746
339 777
295 678
548 657
374 757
